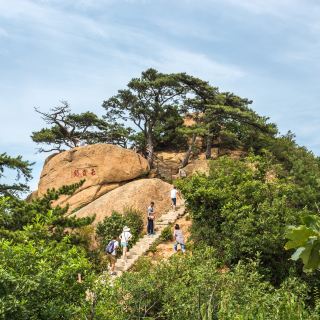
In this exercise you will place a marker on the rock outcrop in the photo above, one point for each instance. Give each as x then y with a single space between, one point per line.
197 166
167 163
103 166
136 194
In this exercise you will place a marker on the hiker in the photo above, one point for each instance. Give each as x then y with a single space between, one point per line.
124 238
173 194
178 236
111 251
150 219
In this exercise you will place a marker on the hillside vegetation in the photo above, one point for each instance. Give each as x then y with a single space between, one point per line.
247 215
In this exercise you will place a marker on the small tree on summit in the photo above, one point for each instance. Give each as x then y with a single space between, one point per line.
69 130
147 102
218 114
230 116
66 129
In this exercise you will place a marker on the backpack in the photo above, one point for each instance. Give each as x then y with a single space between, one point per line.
110 247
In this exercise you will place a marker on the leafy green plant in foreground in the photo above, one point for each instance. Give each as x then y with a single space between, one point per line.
194 287
38 279
305 239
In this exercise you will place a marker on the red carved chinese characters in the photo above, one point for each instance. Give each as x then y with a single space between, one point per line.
78 173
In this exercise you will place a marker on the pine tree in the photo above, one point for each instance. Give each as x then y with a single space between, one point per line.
23 170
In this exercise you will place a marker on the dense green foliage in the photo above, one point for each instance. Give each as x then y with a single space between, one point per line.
194 287
243 207
40 261
38 279
239 213
112 226
22 168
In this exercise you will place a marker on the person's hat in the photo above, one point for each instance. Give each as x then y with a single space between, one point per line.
126 228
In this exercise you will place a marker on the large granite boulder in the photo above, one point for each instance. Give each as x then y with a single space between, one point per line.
167 163
197 166
136 194
103 166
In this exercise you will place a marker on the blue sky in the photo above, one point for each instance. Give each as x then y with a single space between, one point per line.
84 51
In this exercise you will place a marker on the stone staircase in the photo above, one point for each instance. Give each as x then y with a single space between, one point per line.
143 245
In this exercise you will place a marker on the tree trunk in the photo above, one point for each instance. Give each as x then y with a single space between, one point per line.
150 149
188 153
209 146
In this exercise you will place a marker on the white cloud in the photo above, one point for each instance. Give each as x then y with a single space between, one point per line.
279 8
178 60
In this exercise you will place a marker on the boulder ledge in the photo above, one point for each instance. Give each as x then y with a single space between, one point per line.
136 194
103 166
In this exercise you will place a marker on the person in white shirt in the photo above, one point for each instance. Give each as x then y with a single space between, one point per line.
173 194
125 236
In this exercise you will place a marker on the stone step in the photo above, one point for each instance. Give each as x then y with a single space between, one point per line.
164 223
143 245
121 262
125 266
166 219
132 255
119 269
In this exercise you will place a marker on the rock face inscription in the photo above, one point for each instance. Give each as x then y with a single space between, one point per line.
102 166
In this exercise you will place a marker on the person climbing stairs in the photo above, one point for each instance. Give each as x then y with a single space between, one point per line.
143 245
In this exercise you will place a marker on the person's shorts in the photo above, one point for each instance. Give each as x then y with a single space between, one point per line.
112 258
124 244
174 201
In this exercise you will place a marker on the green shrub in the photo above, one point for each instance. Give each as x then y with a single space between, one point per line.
153 247
38 280
143 263
185 287
239 213
167 234
133 219
112 226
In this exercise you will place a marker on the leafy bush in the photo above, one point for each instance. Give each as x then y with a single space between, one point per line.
167 234
39 262
133 219
240 213
38 280
193 287
112 226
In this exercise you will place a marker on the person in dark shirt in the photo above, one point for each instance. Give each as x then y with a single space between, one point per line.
150 219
